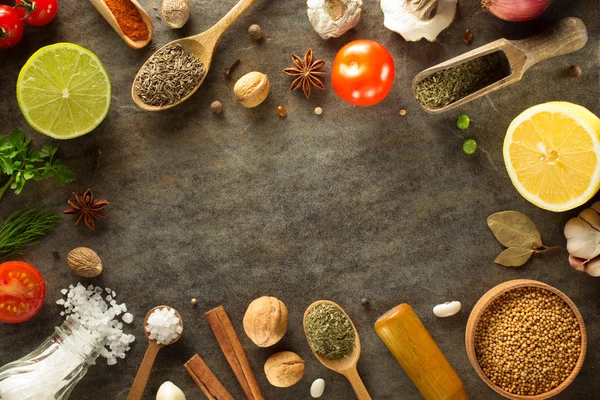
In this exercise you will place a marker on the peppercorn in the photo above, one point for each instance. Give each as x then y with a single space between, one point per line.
255 32
216 107
575 71
528 341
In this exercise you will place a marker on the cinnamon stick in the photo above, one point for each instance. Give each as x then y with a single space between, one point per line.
208 382
233 351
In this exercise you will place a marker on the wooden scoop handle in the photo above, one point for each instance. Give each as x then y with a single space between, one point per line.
232 16
357 384
141 379
564 37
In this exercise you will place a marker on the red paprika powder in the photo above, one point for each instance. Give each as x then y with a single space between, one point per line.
129 19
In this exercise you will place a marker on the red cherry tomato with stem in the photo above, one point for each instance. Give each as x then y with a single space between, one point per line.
37 12
11 27
363 72
22 291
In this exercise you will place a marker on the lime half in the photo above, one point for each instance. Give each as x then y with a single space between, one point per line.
63 91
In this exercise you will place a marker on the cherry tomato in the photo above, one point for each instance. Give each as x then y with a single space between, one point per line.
22 291
37 12
363 72
11 27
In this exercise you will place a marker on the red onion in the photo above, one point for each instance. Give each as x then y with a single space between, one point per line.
516 10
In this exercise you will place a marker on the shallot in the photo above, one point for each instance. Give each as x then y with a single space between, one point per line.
516 10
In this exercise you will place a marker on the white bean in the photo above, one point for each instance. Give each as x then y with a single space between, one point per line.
447 309
317 388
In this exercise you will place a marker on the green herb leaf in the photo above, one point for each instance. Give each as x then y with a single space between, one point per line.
514 256
24 228
514 229
62 174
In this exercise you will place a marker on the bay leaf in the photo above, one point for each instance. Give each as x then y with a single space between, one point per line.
514 256
514 229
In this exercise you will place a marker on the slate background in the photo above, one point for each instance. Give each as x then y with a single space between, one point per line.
358 202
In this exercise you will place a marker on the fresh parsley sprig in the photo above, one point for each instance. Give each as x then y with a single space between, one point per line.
22 164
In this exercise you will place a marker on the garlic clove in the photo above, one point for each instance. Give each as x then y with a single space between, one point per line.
415 21
593 267
583 241
447 309
168 391
592 217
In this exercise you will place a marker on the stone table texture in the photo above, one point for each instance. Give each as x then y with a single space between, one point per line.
357 202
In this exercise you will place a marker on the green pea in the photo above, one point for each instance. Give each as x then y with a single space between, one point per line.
463 122
469 146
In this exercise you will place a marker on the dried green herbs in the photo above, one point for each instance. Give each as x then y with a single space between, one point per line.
519 234
329 331
168 76
24 228
452 84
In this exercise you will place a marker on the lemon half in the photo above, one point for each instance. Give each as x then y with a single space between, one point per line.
63 91
552 154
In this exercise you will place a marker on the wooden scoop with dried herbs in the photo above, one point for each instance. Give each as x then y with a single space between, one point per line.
329 331
22 164
519 234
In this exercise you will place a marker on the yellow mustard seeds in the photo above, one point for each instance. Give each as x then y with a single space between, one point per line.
528 341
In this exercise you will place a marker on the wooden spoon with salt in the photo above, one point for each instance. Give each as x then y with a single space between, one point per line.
347 365
141 379
202 46
110 18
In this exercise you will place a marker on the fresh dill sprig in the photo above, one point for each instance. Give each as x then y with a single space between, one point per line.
23 229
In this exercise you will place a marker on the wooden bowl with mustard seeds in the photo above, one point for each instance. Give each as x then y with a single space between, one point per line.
526 340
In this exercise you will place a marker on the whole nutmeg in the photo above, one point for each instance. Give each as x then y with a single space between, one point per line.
255 32
84 262
284 369
252 89
176 12
265 321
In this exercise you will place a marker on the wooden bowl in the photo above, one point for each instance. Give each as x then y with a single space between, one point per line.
481 306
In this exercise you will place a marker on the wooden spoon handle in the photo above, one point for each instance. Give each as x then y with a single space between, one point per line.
141 379
357 384
231 17
566 36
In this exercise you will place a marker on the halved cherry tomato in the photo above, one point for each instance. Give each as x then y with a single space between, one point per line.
22 291
11 27
37 12
363 72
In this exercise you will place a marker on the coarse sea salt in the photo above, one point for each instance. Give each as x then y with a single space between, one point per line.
89 307
163 325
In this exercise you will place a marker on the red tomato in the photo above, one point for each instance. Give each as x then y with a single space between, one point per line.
11 27
363 72
37 12
22 291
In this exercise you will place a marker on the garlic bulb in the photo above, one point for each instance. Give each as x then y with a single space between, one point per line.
333 18
583 240
417 19
168 391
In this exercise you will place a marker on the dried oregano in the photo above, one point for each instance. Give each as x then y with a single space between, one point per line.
329 331
519 234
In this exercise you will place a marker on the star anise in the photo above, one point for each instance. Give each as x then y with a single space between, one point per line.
86 208
306 72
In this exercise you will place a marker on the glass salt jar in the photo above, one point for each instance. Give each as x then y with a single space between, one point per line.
51 371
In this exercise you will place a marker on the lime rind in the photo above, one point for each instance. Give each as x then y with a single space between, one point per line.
64 91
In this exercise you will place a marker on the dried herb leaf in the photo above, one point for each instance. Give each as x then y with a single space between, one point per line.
514 229
514 256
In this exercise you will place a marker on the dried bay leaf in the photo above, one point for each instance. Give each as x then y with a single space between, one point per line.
514 229
514 256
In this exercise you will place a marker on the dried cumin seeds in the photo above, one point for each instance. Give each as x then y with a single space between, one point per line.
170 75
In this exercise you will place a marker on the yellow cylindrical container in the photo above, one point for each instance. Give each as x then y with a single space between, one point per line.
405 336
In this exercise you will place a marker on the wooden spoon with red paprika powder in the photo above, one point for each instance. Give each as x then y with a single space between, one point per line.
128 19
201 46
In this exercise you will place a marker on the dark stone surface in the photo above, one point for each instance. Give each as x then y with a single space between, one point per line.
359 202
